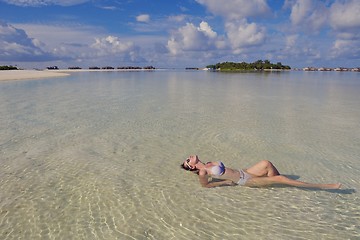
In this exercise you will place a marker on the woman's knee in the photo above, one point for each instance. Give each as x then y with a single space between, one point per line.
272 171
266 163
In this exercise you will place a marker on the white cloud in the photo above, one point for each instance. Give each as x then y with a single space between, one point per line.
61 34
192 38
298 46
345 21
239 36
26 3
291 41
108 7
242 34
15 44
309 14
114 47
65 42
89 45
236 9
143 18
187 38
291 45
346 48
336 25
300 10
177 18
345 15
206 29
158 24
342 15
239 33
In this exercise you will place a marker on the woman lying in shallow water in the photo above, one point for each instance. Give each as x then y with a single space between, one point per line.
261 174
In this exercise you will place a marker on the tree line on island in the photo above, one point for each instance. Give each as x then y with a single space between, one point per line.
243 66
8 68
91 68
104 68
124 67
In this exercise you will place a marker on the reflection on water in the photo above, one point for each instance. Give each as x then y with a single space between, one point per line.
96 155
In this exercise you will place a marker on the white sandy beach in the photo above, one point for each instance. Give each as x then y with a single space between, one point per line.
28 74
7 75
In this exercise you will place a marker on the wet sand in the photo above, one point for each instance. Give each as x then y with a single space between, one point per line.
97 155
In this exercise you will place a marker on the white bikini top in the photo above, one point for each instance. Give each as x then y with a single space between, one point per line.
218 170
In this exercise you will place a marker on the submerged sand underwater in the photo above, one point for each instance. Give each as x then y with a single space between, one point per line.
97 155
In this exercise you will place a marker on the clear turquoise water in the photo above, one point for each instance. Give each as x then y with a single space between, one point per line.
97 155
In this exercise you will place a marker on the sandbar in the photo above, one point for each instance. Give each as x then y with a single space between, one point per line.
7 75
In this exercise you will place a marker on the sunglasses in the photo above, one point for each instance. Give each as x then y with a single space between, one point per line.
187 164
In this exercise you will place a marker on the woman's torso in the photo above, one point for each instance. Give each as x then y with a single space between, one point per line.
230 174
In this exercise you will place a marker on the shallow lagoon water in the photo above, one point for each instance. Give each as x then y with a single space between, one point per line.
97 155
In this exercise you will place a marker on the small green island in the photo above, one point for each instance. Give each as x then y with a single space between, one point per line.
259 65
8 68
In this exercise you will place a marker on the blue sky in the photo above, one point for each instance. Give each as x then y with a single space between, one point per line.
174 33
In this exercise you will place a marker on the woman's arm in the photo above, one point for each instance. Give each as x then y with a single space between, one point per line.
204 181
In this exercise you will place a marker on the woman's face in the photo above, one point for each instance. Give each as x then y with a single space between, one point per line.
191 161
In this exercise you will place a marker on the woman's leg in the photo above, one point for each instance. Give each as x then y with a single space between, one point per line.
279 179
263 168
